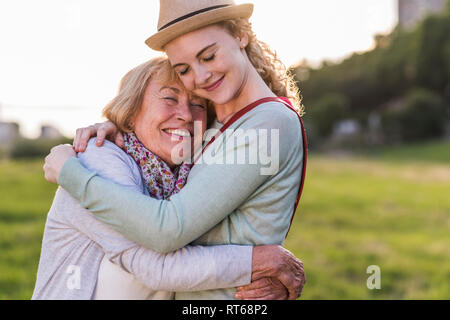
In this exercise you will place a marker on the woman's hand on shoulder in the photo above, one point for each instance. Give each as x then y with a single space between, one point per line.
105 130
55 161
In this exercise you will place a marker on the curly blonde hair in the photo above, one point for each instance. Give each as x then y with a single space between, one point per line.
266 62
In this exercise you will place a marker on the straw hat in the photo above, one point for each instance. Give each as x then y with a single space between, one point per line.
177 17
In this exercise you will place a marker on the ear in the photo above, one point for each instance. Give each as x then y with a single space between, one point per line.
243 40
131 123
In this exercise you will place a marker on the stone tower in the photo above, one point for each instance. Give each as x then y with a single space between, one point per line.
410 12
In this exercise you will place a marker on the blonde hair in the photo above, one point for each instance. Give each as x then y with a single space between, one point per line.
266 62
126 105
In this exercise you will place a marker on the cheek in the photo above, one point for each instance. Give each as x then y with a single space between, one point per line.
139 127
201 117
236 61
188 81
147 129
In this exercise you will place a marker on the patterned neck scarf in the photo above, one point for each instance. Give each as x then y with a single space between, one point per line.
161 181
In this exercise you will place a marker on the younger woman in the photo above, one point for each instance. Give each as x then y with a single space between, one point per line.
211 46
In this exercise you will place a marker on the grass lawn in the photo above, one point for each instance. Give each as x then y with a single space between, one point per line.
392 210
25 198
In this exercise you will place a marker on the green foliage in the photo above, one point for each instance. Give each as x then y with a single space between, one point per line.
423 117
400 62
322 114
34 148
367 79
433 58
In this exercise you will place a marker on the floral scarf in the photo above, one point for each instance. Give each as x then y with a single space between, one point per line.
161 181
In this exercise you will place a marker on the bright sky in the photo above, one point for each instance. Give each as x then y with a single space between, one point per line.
61 61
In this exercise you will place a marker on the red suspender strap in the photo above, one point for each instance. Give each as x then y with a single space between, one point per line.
250 107
305 156
236 117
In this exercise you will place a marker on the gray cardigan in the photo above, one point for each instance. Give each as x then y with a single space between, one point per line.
75 243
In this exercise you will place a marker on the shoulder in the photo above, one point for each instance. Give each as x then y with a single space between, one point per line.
277 118
108 161
107 153
273 114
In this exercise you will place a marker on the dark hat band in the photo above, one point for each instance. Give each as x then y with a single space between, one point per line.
191 15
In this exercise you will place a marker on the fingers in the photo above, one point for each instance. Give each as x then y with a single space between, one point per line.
261 283
259 295
85 136
291 274
119 141
294 284
263 289
106 130
294 281
101 135
282 295
82 137
45 168
100 130
277 262
55 161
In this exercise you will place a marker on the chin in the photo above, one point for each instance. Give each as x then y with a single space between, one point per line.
222 98
180 154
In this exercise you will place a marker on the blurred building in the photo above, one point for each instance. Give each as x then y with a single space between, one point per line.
9 132
410 12
50 132
346 128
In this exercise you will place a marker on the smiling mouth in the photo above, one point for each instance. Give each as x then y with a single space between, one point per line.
178 133
215 85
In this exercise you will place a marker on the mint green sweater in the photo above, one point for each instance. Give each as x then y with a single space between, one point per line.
220 204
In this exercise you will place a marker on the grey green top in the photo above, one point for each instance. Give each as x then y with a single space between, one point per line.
75 243
220 204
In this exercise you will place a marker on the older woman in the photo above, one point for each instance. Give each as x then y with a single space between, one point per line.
82 258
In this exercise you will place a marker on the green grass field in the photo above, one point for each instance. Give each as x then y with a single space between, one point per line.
390 210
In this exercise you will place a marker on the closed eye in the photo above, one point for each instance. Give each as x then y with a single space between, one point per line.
210 58
182 72
171 99
198 105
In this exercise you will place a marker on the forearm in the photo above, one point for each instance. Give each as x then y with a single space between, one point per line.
214 192
160 225
192 268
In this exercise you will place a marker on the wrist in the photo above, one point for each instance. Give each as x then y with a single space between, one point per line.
66 164
74 178
263 264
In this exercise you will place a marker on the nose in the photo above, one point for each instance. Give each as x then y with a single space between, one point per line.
202 75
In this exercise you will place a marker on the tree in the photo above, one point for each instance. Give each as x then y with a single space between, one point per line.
422 117
324 113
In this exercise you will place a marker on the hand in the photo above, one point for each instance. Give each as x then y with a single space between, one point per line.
55 161
276 262
263 289
103 130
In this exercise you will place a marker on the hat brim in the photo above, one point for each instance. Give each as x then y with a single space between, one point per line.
163 37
